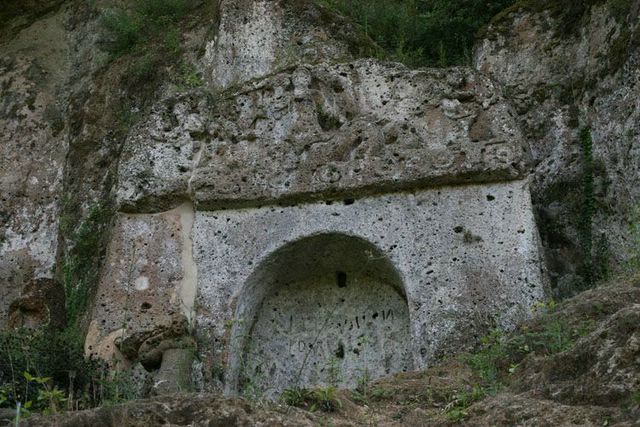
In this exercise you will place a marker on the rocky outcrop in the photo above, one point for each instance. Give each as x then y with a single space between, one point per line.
41 304
291 142
218 184
297 209
170 203
19 14
323 131
566 66
33 145
256 38
593 382
596 379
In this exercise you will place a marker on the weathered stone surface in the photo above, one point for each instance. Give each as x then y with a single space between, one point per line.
361 152
181 410
146 293
18 14
532 396
174 375
463 261
321 131
257 37
32 153
344 131
564 68
41 304
331 303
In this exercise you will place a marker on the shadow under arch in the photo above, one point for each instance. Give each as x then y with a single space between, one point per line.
328 308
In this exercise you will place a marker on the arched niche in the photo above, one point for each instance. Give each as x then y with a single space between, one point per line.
326 309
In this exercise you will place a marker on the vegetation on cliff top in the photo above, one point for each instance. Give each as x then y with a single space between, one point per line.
422 32
128 29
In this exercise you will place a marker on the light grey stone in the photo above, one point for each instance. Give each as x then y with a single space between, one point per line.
33 146
258 37
561 78
323 130
459 260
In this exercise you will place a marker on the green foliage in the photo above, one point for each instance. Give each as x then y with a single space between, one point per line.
489 361
422 32
164 11
499 355
190 76
80 271
323 399
595 250
171 41
380 393
363 382
148 32
334 375
632 263
456 409
142 68
121 31
456 414
116 387
127 29
296 396
46 371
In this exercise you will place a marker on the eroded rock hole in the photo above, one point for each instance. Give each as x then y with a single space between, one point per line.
340 351
341 279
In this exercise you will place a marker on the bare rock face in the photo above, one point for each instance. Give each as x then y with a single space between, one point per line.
322 131
258 37
295 178
566 67
248 204
18 14
244 202
41 304
32 152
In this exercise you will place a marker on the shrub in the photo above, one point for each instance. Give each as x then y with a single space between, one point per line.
45 370
422 32
456 409
124 30
79 270
323 399
499 355
121 30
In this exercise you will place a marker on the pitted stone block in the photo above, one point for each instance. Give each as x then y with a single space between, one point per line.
440 267
317 131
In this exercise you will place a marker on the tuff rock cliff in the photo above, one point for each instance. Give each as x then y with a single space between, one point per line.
566 67
113 172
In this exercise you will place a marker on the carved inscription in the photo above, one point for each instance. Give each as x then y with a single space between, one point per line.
315 332
343 326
